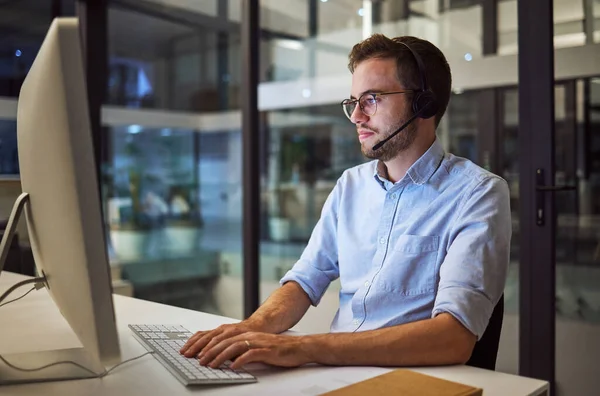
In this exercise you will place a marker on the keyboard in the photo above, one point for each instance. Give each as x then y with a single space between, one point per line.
166 341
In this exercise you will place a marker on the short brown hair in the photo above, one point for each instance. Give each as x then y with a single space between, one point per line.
437 70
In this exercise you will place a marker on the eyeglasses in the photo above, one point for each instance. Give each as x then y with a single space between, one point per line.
367 102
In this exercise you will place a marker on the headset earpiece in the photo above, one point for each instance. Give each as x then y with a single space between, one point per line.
424 103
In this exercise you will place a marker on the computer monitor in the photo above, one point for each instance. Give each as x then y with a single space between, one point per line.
62 205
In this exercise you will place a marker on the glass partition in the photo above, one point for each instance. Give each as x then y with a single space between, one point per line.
577 250
569 24
20 42
9 159
305 42
459 129
172 181
171 61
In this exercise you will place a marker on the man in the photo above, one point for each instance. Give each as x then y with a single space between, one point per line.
419 238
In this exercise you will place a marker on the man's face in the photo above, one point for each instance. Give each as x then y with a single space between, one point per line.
379 75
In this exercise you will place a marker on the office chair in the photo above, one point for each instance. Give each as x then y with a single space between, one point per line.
485 351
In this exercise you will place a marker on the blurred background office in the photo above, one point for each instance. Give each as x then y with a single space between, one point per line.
170 130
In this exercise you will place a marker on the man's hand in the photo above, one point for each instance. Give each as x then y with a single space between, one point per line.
276 350
282 310
208 339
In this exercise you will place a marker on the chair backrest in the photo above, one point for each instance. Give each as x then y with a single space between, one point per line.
485 351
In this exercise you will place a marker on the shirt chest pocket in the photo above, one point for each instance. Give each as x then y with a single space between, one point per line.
410 265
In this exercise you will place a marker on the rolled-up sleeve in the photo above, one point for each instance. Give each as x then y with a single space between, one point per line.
474 271
318 264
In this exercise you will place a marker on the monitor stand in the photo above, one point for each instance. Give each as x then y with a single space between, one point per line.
37 359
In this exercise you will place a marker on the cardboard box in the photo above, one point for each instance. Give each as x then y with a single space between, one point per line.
406 383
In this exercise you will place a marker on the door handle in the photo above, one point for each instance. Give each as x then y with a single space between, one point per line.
541 189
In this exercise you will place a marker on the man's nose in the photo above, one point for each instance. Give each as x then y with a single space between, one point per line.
358 116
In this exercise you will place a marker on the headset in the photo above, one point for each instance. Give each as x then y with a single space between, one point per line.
424 104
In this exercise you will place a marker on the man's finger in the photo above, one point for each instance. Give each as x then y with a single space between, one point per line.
192 340
217 340
200 344
210 352
253 355
197 346
229 353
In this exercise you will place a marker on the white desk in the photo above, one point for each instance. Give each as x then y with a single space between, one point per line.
34 323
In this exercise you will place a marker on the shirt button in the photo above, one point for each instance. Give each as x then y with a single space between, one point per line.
367 284
382 241
394 196
356 322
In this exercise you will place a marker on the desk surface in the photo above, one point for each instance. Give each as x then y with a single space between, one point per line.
35 324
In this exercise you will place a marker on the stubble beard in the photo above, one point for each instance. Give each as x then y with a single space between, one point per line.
393 147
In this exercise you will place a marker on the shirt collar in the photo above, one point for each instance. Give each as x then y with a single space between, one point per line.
421 171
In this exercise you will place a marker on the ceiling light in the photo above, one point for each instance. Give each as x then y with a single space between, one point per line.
133 129
290 44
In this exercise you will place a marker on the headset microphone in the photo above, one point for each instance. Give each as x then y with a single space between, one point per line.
397 131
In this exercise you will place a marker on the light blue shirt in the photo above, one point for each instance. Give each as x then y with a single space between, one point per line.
436 241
